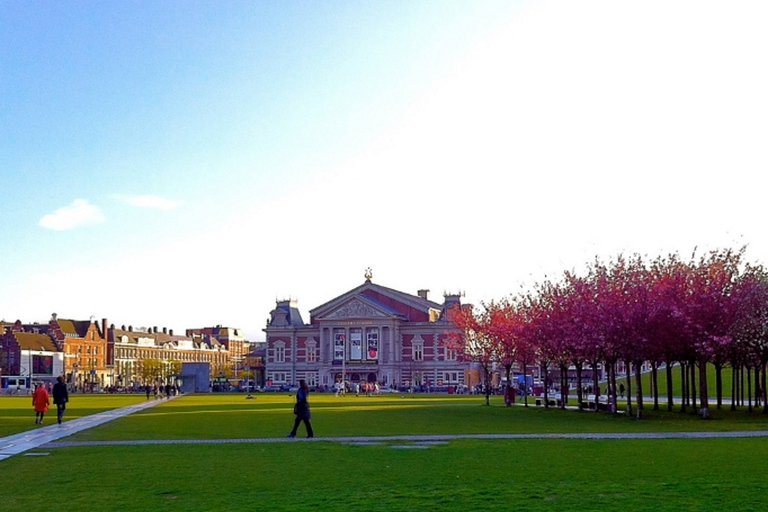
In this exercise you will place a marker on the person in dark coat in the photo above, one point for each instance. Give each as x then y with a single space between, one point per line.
301 410
60 397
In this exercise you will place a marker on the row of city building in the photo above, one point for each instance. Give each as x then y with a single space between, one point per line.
369 334
94 355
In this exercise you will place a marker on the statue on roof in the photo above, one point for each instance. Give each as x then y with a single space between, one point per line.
368 274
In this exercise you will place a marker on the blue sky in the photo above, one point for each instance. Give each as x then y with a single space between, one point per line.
186 163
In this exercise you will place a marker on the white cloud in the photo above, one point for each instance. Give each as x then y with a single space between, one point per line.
79 213
150 201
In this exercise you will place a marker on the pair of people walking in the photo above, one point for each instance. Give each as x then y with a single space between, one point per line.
301 410
41 400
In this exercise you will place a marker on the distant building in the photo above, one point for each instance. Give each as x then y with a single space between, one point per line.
27 357
232 338
80 345
134 348
371 333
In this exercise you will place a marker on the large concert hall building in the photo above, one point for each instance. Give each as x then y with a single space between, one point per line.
371 333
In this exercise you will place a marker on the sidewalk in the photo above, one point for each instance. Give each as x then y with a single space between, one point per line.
18 443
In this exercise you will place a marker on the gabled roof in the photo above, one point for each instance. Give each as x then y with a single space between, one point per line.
385 299
78 328
34 341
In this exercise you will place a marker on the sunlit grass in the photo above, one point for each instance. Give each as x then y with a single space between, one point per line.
17 414
461 475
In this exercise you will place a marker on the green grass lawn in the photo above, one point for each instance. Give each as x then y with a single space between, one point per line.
17 414
467 474
727 383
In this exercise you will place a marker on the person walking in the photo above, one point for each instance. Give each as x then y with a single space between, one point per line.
40 401
301 410
60 397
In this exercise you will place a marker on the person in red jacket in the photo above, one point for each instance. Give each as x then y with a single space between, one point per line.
40 401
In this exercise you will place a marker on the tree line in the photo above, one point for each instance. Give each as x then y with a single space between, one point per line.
669 311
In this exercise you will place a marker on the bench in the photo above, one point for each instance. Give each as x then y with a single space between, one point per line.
552 401
589 403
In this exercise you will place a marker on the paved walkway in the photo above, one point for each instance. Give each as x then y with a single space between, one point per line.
40 436
48 436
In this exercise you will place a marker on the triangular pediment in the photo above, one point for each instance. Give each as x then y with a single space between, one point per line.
356 308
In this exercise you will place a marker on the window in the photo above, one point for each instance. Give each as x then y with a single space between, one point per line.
450 354
418 351
280 353
278 377
451 377
311 352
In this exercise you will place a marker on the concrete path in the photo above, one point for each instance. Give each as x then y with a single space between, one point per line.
18 443
437 438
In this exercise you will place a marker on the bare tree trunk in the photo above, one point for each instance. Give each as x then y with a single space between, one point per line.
487 385
741 386
613 398
719 384
639 382
508 368
749 389
655 384
670 390
628 410
525 385
545 368
692 367
764 395
734 387
703 390
579 390
596 385
684 384
563 386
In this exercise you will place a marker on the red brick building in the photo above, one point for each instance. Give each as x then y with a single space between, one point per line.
371 333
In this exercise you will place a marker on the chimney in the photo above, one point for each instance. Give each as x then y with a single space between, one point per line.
165 331
424 294
104 328
170 332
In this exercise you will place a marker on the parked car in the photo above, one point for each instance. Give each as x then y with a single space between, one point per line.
273 388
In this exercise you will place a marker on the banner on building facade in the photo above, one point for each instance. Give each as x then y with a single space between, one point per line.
338 347
373 345
356 347
42 365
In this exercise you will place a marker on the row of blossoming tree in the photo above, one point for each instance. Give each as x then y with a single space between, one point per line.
665 313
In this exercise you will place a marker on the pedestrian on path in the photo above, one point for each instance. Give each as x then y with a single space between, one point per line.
40 401
60 397
301 410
